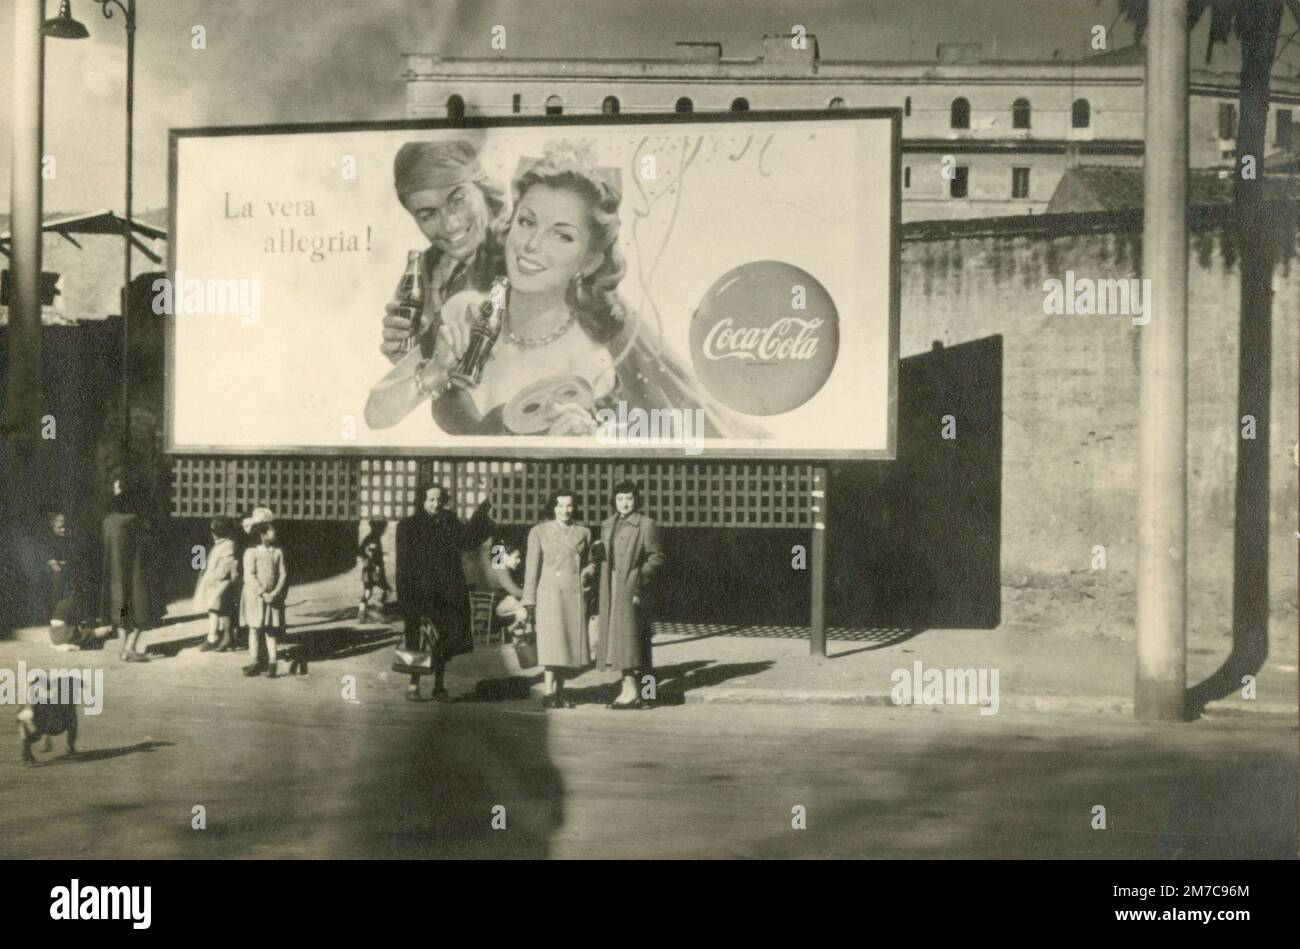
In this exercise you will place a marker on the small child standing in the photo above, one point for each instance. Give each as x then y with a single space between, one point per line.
373 575
216 587
262 606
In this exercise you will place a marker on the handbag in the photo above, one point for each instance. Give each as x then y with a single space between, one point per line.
418 662
526 646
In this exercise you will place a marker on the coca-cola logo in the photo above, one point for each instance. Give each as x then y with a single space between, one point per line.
790 338
765 337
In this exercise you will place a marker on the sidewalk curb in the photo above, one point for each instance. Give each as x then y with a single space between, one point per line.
1045 704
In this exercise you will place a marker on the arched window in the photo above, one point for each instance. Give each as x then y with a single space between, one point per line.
836 103
685 105
960 118
1080 114
1020 114
610 105
740 105
554 105
455 108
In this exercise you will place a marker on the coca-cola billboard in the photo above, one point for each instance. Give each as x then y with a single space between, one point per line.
696 285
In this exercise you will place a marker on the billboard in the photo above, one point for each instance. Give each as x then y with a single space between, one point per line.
625 286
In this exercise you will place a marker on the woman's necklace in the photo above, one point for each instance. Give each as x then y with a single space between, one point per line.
533 342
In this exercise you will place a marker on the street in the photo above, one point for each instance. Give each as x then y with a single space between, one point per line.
291 768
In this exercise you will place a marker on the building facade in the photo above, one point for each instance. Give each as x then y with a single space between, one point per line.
981 137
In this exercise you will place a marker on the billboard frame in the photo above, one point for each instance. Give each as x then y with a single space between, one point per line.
661 454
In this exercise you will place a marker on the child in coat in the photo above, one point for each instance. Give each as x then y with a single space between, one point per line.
216 588
266 583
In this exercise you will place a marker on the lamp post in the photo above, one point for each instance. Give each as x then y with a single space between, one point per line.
20 448
65 27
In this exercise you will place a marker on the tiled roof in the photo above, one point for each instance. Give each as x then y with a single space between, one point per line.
1116 188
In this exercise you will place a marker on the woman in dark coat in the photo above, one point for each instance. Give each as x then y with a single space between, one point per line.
431 581
124 588
632 558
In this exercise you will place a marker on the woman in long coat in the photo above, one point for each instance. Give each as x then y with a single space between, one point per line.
431 581
632 558
124 587
559 555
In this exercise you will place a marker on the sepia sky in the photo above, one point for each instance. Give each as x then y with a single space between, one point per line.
323 60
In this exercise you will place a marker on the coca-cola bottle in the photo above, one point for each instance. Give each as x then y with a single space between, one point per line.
417 378
409 296
483 334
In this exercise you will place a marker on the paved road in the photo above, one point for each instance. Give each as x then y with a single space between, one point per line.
289 768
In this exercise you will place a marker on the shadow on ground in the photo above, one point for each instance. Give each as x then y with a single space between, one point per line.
104 754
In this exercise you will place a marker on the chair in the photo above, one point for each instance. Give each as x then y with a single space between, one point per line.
483 614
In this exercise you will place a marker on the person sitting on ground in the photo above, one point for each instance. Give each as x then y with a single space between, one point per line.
505 573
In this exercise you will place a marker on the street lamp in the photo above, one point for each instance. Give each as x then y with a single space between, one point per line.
64 26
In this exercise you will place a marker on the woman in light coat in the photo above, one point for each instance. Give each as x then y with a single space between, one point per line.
558 567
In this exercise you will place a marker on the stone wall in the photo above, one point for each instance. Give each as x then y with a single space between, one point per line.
1069 404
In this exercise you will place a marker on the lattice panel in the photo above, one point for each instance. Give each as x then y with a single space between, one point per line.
296 489
387 485
700 494
677 495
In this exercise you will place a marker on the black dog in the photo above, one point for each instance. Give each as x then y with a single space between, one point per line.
46 719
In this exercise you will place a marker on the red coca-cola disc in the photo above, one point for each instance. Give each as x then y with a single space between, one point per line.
765 337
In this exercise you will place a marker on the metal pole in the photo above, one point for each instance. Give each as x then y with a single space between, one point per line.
817 556
1160 688
126 238
25 395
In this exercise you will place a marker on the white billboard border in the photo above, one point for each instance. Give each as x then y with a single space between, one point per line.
663 453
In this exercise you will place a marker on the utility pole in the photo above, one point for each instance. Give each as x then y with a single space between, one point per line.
24 395
817 634
1161 686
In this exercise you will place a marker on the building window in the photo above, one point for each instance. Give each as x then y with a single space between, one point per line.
960 118
1227 121
1285 130
1020 114
959 186
610 106
740 105
907 177
1019 182
455 108
836 103
684 105
554 105
1080 114
517 104
907 106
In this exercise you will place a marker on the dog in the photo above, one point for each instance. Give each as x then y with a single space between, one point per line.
47 719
